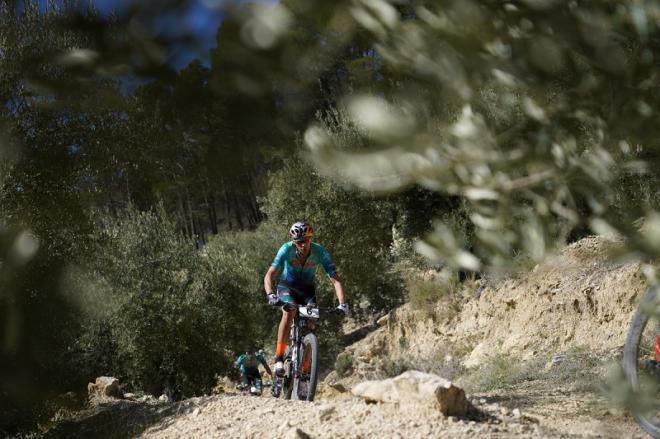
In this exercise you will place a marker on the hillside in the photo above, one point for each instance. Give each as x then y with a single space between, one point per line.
575 300
531 352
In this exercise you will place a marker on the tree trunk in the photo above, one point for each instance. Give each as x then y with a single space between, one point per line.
190 214
182 214
209 200
225 194
237 212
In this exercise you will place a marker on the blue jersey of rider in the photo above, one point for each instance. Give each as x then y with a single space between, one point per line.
250 363
298 272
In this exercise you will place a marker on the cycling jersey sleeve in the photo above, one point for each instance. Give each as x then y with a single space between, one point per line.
239 361
280 257
261 359
326 261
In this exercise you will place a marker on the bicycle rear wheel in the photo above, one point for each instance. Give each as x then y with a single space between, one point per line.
640 362
304 384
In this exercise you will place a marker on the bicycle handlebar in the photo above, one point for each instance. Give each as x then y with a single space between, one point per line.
290 306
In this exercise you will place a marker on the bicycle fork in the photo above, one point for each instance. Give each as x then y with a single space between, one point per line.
295 345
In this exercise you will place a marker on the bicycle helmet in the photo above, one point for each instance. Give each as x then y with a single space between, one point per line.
301 231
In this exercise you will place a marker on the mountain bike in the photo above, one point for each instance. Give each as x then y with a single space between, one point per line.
302 356
641 362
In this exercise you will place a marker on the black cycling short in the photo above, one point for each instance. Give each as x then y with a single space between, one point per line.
299 296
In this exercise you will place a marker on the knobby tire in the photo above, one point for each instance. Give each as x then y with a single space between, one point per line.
631 360
309 341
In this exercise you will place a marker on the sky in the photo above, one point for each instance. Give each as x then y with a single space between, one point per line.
201 18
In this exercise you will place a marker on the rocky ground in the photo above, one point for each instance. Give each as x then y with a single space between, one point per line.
561 414
531 352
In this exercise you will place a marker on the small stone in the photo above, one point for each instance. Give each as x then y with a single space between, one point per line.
557 359
325 412
196 412
296 433
164 398
338 387
516 413
504 411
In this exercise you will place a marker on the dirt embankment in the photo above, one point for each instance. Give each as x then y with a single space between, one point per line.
577 299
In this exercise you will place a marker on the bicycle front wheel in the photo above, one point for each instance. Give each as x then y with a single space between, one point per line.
287 381
640 363
304 385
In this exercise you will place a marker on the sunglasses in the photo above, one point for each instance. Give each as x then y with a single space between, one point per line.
304 241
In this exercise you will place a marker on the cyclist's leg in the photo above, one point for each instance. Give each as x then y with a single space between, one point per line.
257 382
284 294
254 379
246 379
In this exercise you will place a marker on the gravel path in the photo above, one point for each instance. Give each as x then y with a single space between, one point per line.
243 416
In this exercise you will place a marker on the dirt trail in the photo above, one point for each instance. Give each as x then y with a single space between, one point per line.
249 417
242 416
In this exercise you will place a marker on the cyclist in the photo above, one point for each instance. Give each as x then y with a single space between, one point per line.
298 261
248 362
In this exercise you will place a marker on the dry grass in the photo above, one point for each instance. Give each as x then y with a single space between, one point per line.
578 369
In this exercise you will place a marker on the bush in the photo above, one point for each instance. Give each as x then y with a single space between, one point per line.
344 365
172 316
391 368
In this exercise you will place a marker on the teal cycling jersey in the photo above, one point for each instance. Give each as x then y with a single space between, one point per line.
299 272
250 363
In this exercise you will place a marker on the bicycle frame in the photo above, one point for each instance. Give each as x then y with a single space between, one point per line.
305 317
295 338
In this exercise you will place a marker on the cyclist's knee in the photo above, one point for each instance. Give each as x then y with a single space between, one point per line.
288 315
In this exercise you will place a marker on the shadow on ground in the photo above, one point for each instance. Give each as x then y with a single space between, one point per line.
122 418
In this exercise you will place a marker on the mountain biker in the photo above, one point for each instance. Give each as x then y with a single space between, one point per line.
298 261
248 363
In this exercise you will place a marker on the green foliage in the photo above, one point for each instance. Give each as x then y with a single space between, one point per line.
394 367
534 145
344 365
172 317
32 308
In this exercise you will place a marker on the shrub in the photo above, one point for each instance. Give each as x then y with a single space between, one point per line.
393 367
344 365
172 316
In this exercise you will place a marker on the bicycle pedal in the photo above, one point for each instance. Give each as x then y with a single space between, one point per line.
275 391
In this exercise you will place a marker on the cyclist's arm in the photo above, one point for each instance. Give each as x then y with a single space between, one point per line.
270 276
239 361
331 270
339 287
265 364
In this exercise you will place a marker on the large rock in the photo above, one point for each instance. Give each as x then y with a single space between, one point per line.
224 385
413 387
104 387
